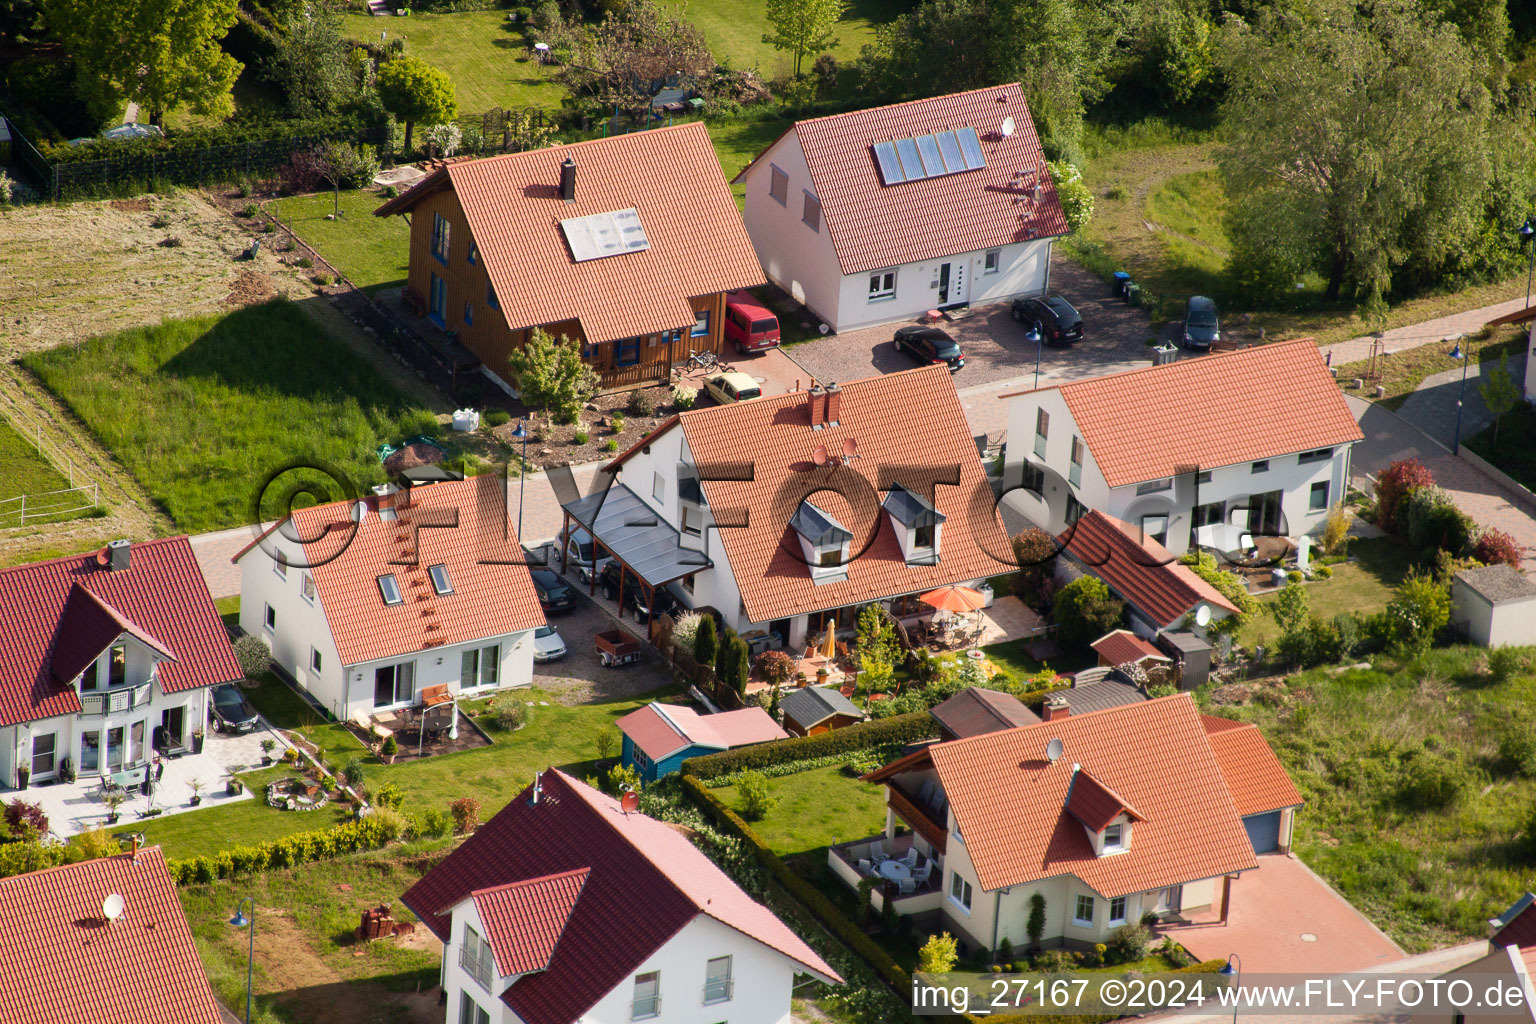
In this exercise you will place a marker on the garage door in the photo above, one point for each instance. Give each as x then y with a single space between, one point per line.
1264 831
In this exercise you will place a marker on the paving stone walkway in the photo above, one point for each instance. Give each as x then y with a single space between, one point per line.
1432 408
1413 335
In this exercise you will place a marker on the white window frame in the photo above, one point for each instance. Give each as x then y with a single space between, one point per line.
1077 910
471 1012
486 661
314 660
693 521
654 978
269 620
1124 902
1312 505
475 958
1075 463
992 262
1259 466
810 211
1315 455
778 184
882 286
960 891
279 566
658 487
393 585
307 588
718 980
1119 841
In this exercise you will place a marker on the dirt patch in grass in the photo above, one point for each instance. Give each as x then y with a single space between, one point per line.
130 205
250 289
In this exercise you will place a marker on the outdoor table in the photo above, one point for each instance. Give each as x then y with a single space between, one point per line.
895 870
130 778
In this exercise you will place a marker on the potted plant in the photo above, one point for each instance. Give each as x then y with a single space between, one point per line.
821 676
389 749
67 770
23 776
233 786
197 741
196 785
113 800
800 680
267 746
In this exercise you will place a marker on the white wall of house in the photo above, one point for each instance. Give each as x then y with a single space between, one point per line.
439 665
1021 268
458 982
1508 623
794 257
1504 967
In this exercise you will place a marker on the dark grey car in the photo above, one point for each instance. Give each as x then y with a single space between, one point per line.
230 711
1054 317
929 345
1202 327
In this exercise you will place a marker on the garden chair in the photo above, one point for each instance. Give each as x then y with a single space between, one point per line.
865 867
877 852
907 886
910 860
922 873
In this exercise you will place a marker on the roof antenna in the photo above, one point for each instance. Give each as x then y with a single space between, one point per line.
538 788
1054 750
112 908
629 803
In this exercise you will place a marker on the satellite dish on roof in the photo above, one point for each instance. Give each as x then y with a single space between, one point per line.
850 447
1007 128
629 802
112 907
1054 750
819 455
1203 616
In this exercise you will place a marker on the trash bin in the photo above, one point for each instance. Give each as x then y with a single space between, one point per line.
1132 294
1121 280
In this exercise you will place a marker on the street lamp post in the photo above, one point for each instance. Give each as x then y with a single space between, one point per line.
1035 336
241 921
1233 969
1527 232
1465 355
522 433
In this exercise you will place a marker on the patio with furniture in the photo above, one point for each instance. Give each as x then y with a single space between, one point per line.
436 725
904 872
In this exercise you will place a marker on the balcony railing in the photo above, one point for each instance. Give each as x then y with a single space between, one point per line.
718 990
123 698
476 967
643 1007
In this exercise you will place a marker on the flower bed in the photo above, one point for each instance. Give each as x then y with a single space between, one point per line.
296 793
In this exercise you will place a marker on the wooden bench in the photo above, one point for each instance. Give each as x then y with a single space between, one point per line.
434 695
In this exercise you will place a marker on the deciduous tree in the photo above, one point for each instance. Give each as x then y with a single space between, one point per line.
803 27
617 61
311 64
413 90
550 374
1500 392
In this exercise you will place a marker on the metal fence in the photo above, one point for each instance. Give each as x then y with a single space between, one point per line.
82 494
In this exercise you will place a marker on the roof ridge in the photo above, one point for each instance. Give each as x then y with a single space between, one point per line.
567 781
1202 361
537 879
909 103
90 555
24 876
565 146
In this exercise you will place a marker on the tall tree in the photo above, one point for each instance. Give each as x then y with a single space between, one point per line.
550 374
1500 392
160 54
311 64
618 61
803 27
413 90
1366 121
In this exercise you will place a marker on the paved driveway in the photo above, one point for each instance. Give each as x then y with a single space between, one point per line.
1114 338
1285 919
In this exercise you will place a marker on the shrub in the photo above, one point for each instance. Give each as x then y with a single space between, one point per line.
606 740
756 802
685 631
94 843
1394 484
305 262
1336 528
1055 961
389 821
641 403
1504 662
738 665
1034 551
466 813
495 417
1084 611
1429 519
1075 197
434 824
622 777
775 667
1420 609
610 445
352 772
1034 927
581 437
617 419
684 397
1517 749
1127 944
25 820
249 210
939 954
389 795
706 644
1434 781
510 716
390 747
1495 547
895 731
7 188
254 656
160 221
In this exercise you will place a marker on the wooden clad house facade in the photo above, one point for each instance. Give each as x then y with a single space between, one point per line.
495 253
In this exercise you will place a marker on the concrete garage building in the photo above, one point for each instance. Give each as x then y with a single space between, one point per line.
1494 606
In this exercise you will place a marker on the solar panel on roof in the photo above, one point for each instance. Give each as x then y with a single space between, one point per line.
890 167
604 234
949 146
933 164
911 163
970 145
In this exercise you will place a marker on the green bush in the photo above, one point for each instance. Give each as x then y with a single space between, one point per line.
389 796
1419 610
1127 944
1434 781
1504 662
610 445
755 799
901 730
510 715
495 417
369 833
1085 611
641 403
352 772
254 656
434 824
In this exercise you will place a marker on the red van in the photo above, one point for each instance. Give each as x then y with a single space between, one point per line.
750 324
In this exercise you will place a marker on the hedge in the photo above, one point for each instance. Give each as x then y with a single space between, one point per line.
900 730
783 768
290 851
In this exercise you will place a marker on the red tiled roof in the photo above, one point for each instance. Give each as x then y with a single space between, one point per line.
645 882
488 599
1516 926
1095 804
524 920
900 420
64 963
1218 410
161 599
1009 800
1140 571
1122 646
698 244
874 225
1254 774
663 729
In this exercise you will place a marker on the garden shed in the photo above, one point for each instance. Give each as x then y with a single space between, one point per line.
1494 606
1191 653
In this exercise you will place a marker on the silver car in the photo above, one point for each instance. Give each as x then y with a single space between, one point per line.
548 645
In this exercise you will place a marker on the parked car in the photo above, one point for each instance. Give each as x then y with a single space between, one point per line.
548 644
555 595
230 711
635 595
1202 326
929 345
577 551
750 324
732 387
1054 317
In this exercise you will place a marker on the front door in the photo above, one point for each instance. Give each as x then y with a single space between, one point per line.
394 684
437 306
43 755
1170 900
173 722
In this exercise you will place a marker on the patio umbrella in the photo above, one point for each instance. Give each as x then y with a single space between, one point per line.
830 648
954 598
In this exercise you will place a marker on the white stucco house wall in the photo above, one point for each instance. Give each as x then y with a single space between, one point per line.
881 215
567 907
1494 606
365 605
1211 450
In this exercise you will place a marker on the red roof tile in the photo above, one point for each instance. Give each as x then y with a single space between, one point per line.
524 920
161 598
698 244
1218 410
63 962
874 225
1254 774
1095 804
1516 926
488 599
1140 571
1122 646
1009 800
645 882
663 729
900 421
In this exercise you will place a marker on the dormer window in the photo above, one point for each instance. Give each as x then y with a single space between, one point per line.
389 589
1114 836
440 581
1106 817
823 542
917 524
89 677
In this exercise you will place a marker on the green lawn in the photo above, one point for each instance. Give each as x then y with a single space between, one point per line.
816 809
24 471
1515 450
285 709
481 52
202 410
1375 754
734 30
1363 585
372 252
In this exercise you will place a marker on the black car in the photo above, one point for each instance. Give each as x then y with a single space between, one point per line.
635 593
1054 317
230 711
555 595
1202 326
930 345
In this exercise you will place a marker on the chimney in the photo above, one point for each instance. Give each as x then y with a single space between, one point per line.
118 554
818 406
135 848
568 180
1056 708
834 406
386 496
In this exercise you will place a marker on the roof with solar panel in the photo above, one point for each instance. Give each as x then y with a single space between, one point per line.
928 179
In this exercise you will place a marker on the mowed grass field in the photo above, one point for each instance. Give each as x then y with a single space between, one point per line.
734 30
203 410
372 252
815 809
23 470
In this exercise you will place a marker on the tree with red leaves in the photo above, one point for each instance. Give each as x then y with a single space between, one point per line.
1495 546
21 815
1394 484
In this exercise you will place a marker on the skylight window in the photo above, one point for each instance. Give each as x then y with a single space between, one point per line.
929 156
389 589
440 581
604 234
